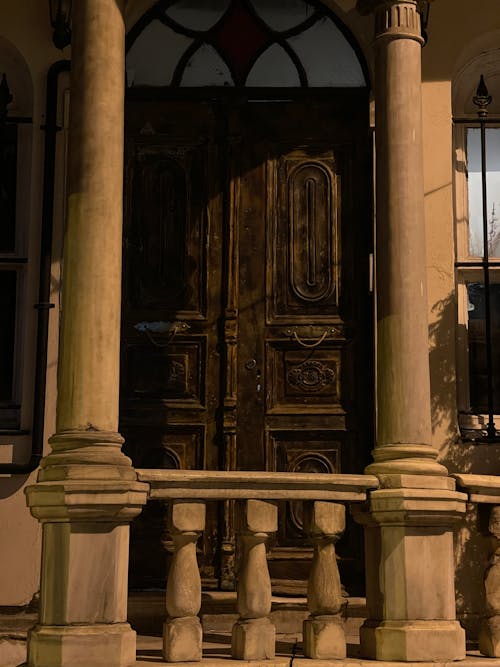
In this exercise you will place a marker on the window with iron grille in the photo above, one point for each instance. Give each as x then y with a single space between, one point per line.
15 146
477 145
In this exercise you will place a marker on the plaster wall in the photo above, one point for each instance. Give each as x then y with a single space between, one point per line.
459 31
25 24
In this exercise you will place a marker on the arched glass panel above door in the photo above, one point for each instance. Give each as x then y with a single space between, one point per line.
238 43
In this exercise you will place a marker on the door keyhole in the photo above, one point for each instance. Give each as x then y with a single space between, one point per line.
251 365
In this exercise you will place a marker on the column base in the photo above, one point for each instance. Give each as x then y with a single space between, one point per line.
405 459
103 645
253 639
182 639
489 637
324 637
412 641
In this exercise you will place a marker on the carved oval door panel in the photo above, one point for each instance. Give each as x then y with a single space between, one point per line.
300 200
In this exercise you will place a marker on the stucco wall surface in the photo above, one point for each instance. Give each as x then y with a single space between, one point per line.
25 32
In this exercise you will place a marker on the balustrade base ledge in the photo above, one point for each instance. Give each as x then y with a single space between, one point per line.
469 661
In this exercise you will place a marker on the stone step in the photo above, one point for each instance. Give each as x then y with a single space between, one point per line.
218 613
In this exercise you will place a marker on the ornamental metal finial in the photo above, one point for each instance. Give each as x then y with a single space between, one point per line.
5 98
482 98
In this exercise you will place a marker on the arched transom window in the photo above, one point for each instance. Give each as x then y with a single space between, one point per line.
241 43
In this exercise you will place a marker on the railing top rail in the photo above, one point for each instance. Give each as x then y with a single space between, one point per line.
223 485
481 488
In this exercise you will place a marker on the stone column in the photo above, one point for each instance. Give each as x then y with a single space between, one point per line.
87 491
403 386
408 521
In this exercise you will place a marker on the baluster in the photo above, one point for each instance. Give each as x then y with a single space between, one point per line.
254 634
489 635
324 523
182 634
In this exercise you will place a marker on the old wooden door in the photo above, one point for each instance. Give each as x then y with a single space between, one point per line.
247 319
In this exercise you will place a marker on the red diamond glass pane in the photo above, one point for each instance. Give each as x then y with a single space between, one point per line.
240 38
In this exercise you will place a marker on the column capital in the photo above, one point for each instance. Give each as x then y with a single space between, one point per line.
394 19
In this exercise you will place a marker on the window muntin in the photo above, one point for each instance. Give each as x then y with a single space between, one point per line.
222 43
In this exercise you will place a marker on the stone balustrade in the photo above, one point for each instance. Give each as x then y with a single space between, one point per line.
485 490
256 493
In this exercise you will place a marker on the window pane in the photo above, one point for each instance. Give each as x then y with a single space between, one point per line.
327 56
478 368
8 170
474 180
153 56
283 14
273 68
206 68
8 280
193 15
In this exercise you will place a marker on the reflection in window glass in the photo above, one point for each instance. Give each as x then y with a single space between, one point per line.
196 15
8 171
273 68
8 281
206 68
283 14
478 372
153 56
327 56
474 182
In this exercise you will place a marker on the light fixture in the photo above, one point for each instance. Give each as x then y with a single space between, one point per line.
60 20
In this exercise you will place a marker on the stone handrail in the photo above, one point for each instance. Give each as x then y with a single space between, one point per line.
256 493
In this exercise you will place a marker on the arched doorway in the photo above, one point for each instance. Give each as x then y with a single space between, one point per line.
247 321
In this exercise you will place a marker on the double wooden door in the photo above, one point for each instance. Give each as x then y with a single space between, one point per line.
246 334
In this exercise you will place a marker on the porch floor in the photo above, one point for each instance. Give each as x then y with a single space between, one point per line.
146 611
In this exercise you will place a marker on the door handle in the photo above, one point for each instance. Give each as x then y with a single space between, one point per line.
169 328
310 341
